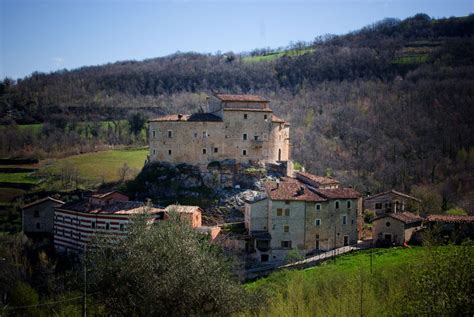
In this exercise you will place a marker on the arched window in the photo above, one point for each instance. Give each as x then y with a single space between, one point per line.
337 204
349 204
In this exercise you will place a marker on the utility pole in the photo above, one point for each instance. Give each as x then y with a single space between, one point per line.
84 294
335 243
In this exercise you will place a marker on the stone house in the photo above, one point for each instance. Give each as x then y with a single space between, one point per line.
455 228
38 217
391 201
238 127
395 228
291 214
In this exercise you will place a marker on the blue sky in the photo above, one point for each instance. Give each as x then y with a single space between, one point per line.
47 35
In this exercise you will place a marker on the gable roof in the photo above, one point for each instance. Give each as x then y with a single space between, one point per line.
450 219
323 180
195 117
39 201
115 208
291 191
106 194
183 208
341 193
405 217
392 191
240 98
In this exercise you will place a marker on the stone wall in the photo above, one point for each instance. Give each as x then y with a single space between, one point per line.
39 218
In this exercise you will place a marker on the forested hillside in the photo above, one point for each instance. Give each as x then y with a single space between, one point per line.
387 106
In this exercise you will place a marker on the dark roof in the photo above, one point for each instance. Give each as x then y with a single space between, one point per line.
450 219
39 201
195 117
341 193
105 194
240 98
279 120
405 217
323 180
260 235
290 191
117 208
392 191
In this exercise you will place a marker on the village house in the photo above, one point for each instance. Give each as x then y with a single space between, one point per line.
108 215
395 228
37 217
238 127
391 201
295 213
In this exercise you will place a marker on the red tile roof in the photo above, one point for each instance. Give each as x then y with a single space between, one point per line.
450 219
196 117
290 191
240 98
338 193
323 180
405 217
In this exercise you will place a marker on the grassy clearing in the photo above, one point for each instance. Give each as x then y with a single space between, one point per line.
25 178
425 280
99 166
273 56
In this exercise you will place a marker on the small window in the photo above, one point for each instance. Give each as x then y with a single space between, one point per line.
153 133
122 227
279 212
169 152
255 137
349 204
287 212
317 222
286 244
378 206
265 117
244 136
93 224
245 116
195 135
388 223
107 226
318 207
344 220
286 228
287 202
36 214
204 151
170 134
244 152
204 134
154 151
38 225
337 204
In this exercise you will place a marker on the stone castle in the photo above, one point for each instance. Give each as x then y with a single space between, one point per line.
238 127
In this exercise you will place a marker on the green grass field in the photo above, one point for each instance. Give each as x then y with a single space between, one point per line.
26 178
98 166
440 276
273 56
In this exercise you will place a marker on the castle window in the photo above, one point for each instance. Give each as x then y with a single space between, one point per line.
204 151
204 134
318 207
153 133
245 116
195 135
154 151
256 137
244 136
216 150
317 222
344 220
170 134
244 152
265 117
286 228
169 152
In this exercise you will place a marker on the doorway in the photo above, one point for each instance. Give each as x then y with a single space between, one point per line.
279 154
346 240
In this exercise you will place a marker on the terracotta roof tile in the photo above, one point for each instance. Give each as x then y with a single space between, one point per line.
450 219
290 191
341 193
405 217
240 98
323 180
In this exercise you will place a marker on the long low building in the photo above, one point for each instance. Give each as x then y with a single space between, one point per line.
107 215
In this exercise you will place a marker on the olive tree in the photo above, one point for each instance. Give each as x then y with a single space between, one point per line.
164 268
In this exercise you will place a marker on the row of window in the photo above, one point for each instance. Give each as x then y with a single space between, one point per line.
265 116
93 223
204 151
317 222
317 207
205 135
